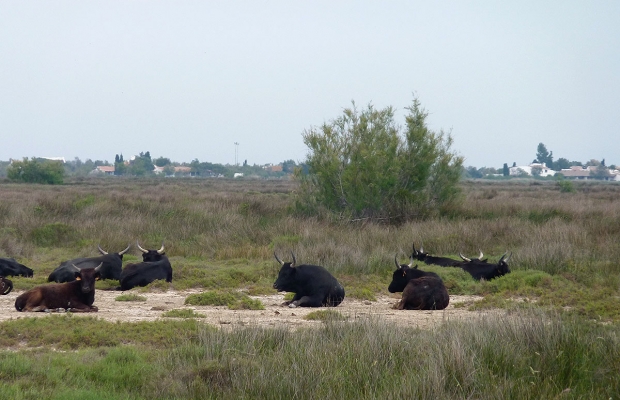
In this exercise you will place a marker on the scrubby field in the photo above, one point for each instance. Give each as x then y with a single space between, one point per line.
549 329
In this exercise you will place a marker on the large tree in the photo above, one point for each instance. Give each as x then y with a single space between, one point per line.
544 156
364 165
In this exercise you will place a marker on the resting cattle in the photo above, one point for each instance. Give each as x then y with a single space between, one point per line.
155 266
420 255
485 270
10 267
111 266
313 285
5 286
421 290
76 296
473 259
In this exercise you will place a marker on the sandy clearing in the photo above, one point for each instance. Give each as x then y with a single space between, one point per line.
273 315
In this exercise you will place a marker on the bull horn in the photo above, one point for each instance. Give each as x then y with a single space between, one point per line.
504 259
277 259
415 252
480 255
102 251
120 253
396 261
294 261
76 269
141 249
422 247
161 249
464 258
99 267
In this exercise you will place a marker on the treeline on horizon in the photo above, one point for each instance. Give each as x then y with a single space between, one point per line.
139 167
142 165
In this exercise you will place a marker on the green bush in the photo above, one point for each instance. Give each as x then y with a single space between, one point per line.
566 186
362 166
35 171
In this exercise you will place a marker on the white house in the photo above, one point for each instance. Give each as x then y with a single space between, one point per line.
531 170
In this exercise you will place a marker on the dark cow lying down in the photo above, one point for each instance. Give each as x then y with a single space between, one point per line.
480 269
426 258
10 267
421 290
76 296
313 285
111 268
5 286
155 266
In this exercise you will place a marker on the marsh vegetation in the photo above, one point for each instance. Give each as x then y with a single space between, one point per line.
556 335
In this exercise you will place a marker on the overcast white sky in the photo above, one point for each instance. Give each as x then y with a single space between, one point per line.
188 79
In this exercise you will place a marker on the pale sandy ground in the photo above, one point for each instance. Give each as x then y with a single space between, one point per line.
273 315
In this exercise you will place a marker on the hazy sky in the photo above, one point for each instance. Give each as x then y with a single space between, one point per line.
188 79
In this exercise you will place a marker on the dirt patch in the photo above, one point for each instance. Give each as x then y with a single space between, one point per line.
273 315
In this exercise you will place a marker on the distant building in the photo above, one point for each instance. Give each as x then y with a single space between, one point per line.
531 170
54 159
590 172
103 169
183 170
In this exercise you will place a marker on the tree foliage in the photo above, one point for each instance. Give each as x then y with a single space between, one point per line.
36 171
363 165
544 156
141 165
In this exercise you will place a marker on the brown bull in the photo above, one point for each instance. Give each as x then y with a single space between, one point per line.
76 296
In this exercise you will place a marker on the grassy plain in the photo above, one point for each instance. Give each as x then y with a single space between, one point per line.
559 338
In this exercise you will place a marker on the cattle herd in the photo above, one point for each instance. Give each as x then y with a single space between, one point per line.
312 285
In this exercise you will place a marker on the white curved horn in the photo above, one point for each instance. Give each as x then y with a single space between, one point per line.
140 247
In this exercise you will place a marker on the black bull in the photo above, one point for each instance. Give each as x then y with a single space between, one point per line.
10 267
111 266
155 266
313 285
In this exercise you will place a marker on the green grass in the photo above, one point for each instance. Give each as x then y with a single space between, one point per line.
557 337
325 315
130 297
183 313
66 331
530 354
233 300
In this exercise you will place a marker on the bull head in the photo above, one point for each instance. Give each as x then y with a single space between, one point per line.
404 267
160 251
78 271
282 262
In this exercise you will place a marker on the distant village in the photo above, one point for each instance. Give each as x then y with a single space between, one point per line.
577 172
143 165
